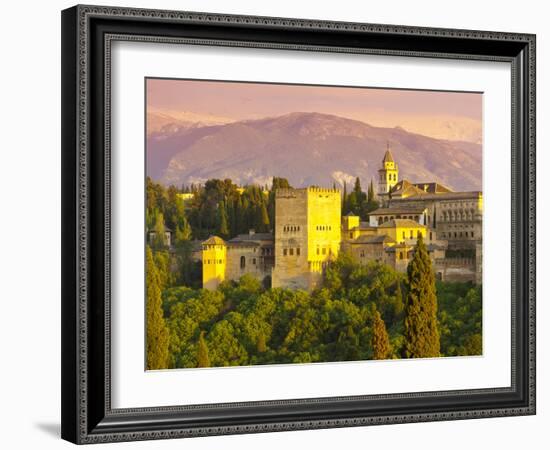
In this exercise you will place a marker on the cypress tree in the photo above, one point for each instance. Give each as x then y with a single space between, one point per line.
157 331
264 218
159 241
183 232
399 298
357 187
370 193
380 339
421 328
202 352
345 199
223 227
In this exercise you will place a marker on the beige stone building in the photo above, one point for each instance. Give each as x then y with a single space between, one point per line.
456 218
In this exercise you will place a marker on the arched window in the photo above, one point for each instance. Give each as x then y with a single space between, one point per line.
243 262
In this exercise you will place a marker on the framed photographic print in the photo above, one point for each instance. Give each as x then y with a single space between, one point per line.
280 224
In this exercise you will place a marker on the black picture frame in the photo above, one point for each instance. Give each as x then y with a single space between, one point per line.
87 416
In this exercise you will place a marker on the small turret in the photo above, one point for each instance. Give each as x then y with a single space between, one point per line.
388 174
214 258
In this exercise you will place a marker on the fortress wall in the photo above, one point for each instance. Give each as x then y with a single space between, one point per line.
253 262
456 269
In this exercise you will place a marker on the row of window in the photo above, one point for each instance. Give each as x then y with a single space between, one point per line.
458 234
213 261
312 265
459 205
391 177
290 251
323 227
289 228
388 218
452 216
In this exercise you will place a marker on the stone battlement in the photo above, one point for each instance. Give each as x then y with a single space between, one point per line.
292 192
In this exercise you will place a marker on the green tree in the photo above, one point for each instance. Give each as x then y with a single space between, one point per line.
345 208
261 346
399 303
159 239
370 193
421 327
380 340
264 218
202 352
223 227
280 183
183 232
357 187
157 331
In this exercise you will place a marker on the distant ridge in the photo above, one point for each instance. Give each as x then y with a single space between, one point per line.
308 149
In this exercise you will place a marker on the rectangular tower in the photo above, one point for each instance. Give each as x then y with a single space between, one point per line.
307 235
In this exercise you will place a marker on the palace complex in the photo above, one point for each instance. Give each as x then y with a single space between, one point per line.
310 231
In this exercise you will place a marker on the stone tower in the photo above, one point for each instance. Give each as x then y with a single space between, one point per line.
214 260
307 235
388 174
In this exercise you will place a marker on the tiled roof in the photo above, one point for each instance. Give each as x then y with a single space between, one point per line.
233 243
432 188
400 223
443 196
405 187
253 237
372 240
398 210
214 240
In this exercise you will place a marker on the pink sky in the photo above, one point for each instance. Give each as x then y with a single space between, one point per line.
449 115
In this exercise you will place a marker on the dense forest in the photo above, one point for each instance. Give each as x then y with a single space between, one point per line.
359 313
220 207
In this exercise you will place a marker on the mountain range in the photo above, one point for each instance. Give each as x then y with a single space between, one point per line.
306 148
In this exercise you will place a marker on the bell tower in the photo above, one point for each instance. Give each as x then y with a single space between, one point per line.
388 174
